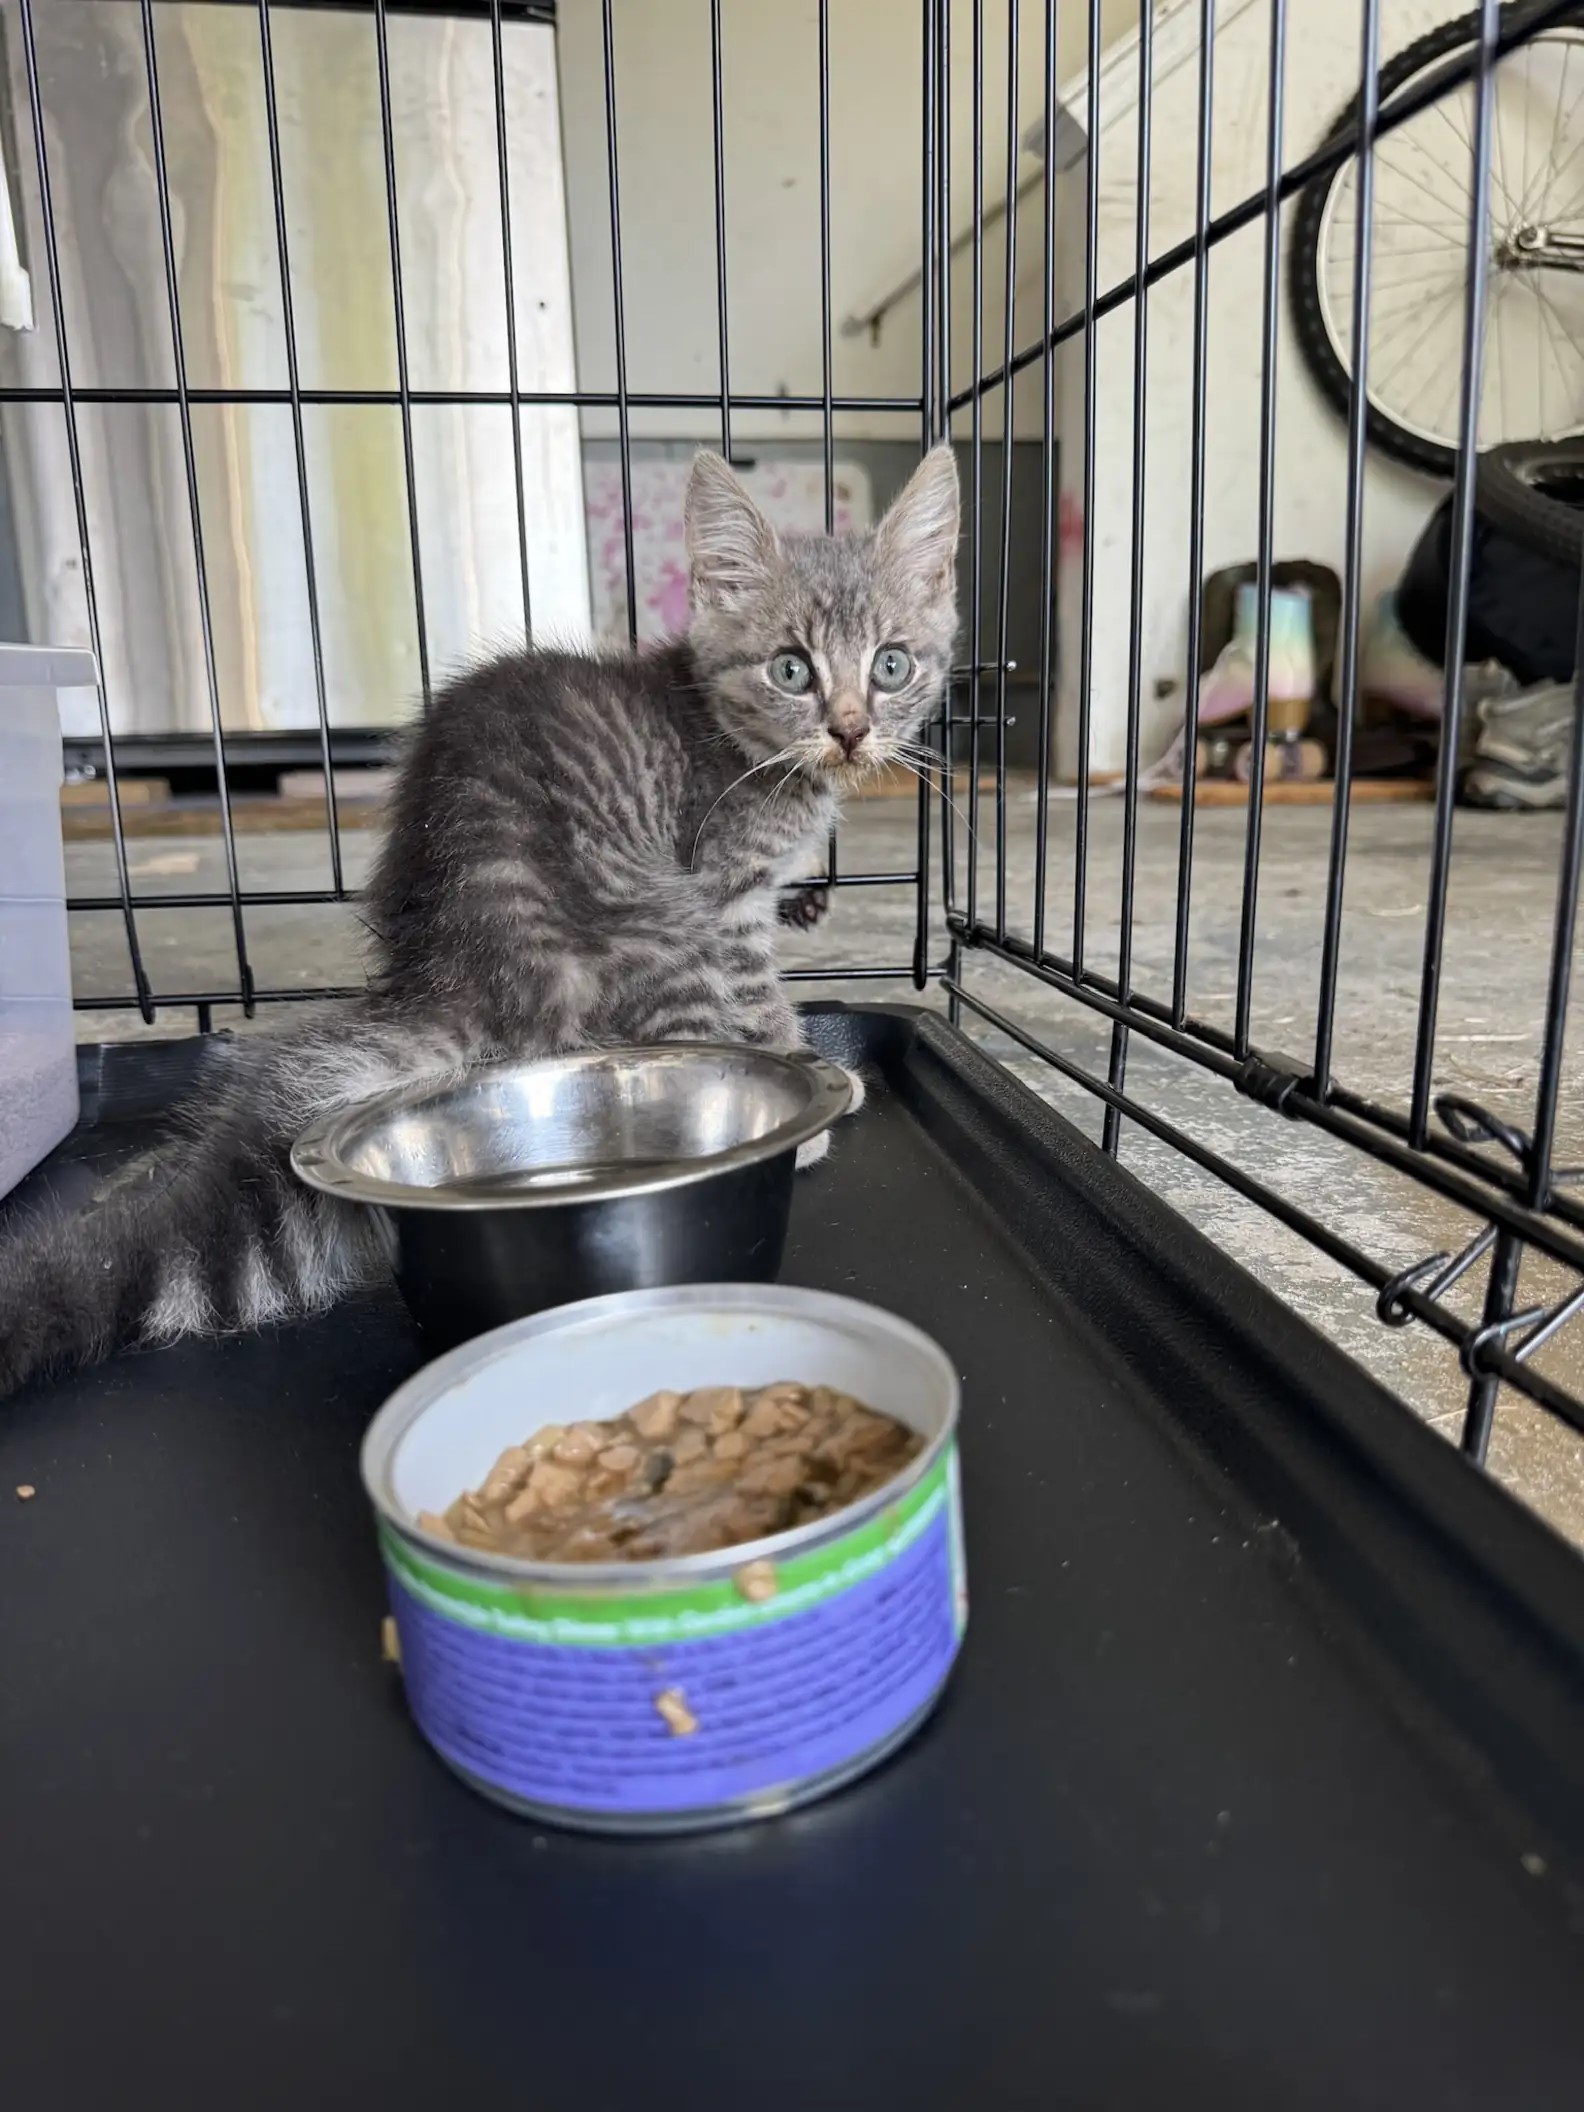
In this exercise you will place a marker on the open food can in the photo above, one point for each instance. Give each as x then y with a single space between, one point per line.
658 1696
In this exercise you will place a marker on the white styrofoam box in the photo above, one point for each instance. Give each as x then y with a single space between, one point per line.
38 1053
30 780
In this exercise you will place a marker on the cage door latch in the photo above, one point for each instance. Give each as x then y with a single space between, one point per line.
1272 1079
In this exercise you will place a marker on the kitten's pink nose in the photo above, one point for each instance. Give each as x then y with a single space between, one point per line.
848 723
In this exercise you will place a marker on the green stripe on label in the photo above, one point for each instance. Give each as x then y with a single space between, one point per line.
677 1613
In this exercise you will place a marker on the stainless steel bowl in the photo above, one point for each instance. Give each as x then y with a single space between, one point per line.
525 1185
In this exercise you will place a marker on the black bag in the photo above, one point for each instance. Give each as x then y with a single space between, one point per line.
1522 604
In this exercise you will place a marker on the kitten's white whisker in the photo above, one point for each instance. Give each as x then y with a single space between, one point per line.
914 771
778 788
916 752
770 760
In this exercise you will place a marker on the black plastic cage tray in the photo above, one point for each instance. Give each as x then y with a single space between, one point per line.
1261 1781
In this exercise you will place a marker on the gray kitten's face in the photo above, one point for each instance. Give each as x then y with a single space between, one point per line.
831 650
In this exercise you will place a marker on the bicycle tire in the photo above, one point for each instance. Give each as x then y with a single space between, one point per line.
1509 490
1320 356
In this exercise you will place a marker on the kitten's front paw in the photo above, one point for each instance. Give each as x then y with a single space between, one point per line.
860 1092
801 908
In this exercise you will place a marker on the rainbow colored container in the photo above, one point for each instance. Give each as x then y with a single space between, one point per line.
656 1697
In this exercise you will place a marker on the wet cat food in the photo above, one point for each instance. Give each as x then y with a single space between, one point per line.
681 1474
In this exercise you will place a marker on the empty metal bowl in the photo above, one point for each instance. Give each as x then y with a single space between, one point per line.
526 1185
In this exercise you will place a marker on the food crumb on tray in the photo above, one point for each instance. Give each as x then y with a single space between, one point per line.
25 1492
390 1641
681 1474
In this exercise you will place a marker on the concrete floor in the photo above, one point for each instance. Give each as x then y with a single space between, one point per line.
1492 1003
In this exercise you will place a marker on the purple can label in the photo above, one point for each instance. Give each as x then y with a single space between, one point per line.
679 1700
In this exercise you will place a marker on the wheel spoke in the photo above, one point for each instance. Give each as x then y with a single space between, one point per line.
1436 315
1566 163
1545 341
1412 305
1556 322
1465 140
1455 229
1499 165
1385 243
1490 387
1451 255
1397 320
1342 213
1396 169
1422 278
1498 362
1542 345
1574 206
1464 137
1404 295
1552 169
1556 122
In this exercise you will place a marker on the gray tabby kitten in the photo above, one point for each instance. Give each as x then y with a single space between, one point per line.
584 850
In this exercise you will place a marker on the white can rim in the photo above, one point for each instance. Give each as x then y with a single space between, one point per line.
426 1388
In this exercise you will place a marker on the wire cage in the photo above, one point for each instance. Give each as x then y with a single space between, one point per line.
1025 877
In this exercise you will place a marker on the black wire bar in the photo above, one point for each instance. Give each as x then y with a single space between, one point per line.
195 511
1196 497
1111 1125
404 397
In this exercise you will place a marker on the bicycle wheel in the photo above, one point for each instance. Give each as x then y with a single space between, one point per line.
1533 382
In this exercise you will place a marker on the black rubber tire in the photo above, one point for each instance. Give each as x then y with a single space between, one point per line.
1303 270
1519 488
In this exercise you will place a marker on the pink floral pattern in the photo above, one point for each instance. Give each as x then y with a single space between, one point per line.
790 494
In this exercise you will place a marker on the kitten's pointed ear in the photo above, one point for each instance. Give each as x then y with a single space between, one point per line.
732 548
918 536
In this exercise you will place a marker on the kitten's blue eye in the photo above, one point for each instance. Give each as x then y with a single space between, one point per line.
791 672
892 669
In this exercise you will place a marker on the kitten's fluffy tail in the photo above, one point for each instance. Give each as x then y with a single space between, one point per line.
216 1234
